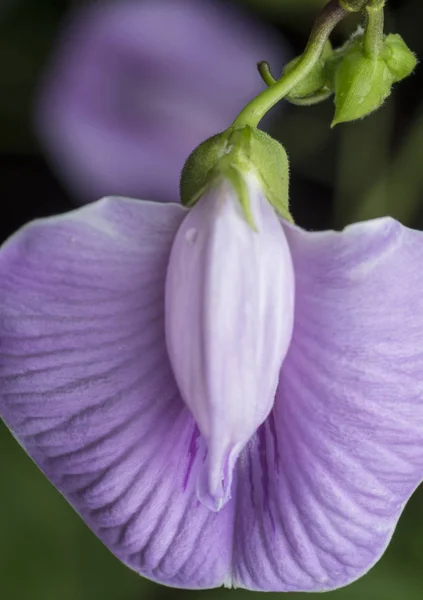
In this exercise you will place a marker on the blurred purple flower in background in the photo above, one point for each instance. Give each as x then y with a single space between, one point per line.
135 85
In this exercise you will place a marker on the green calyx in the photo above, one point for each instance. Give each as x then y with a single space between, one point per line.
398 57
364 70
361 85
361 80
232 155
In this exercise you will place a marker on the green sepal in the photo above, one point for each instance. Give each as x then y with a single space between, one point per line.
399 59
198 169
232 155
233 174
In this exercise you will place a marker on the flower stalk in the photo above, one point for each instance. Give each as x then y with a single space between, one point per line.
255 110
304 70
373 37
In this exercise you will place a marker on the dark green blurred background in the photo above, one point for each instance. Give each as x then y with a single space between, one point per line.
359 171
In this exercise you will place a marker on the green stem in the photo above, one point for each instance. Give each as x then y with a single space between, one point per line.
330 16
373 37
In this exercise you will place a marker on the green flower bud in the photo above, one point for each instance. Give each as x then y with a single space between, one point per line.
362 83
315 82
232 154
398 57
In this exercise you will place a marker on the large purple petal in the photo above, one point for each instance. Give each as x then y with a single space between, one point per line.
326 478
135 86
87 388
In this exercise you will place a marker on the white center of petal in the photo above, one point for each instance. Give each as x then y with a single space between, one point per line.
229 318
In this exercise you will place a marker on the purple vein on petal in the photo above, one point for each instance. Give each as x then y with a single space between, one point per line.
192 453
272 428
250 451
265 472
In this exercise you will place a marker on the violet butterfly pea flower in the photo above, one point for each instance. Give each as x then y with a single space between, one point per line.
91 354
133 87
